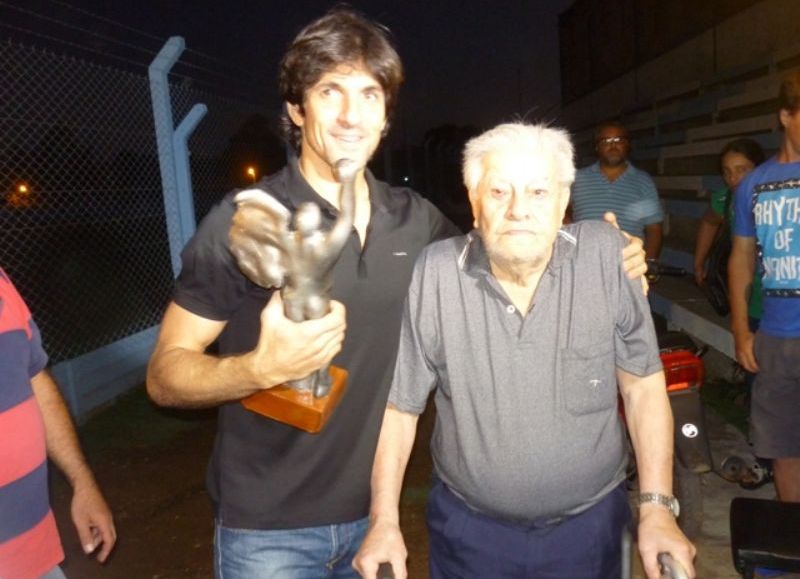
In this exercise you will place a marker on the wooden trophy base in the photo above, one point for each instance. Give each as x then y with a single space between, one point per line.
299 409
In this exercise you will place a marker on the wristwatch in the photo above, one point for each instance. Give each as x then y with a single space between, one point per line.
664 500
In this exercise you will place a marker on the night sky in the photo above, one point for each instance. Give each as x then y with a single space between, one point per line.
467 62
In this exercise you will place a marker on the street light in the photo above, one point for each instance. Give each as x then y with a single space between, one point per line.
19 197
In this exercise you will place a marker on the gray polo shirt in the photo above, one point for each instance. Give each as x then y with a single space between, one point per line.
527 423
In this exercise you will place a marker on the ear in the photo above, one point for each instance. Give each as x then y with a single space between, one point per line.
785 117
564 200
295 113
474 202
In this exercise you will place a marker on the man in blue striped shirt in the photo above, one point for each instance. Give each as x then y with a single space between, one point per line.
614 184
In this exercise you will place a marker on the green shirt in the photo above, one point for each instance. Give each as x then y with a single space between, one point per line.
719 199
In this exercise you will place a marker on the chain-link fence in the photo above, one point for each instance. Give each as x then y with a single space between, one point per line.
82 229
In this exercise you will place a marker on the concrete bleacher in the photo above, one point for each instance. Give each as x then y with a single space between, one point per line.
678 140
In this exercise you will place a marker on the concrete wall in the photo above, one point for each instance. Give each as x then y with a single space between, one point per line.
758 32
769 30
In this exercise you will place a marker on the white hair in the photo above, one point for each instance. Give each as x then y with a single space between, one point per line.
535 139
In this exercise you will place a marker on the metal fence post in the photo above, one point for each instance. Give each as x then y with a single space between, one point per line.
82 227
183 172
172 150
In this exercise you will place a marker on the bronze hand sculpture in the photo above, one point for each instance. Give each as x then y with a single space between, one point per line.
298 260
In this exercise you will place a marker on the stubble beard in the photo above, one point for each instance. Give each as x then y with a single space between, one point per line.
517 266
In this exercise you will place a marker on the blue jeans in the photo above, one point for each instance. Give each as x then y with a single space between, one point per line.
310 553
54 573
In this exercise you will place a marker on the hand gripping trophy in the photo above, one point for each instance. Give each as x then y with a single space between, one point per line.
299 261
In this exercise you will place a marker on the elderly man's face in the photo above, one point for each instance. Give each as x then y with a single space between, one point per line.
518 207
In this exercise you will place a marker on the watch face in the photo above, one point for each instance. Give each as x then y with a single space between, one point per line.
675 507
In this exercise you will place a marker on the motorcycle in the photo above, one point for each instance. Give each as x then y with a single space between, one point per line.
748 471
684 373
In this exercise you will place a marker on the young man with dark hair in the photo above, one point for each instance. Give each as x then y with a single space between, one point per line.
767 226
289 503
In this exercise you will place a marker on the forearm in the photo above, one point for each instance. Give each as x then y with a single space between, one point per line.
740 287
653 238
650 424
181 374
63 447
391 458
184 378
705 239
90 513
741 266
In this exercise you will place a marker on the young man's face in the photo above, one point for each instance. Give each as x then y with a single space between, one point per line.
343 116
518 207
612 146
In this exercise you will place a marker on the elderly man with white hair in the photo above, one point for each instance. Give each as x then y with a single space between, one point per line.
526 331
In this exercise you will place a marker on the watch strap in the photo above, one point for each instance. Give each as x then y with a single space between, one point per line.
667 501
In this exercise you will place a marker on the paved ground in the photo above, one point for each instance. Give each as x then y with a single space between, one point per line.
151 465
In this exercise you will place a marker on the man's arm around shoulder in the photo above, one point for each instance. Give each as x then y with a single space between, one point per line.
384 541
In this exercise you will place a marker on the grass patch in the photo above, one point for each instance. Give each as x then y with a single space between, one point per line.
727 399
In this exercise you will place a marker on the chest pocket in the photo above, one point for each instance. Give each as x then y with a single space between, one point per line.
588 378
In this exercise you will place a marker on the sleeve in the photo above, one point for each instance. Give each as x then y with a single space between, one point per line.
574 189
440 226
635 342
415 374
743 221
38 359
719 200
18 317
652 210
210 283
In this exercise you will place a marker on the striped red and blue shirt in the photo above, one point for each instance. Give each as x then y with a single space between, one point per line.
29 542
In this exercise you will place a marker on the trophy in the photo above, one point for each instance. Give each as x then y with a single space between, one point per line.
298 260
